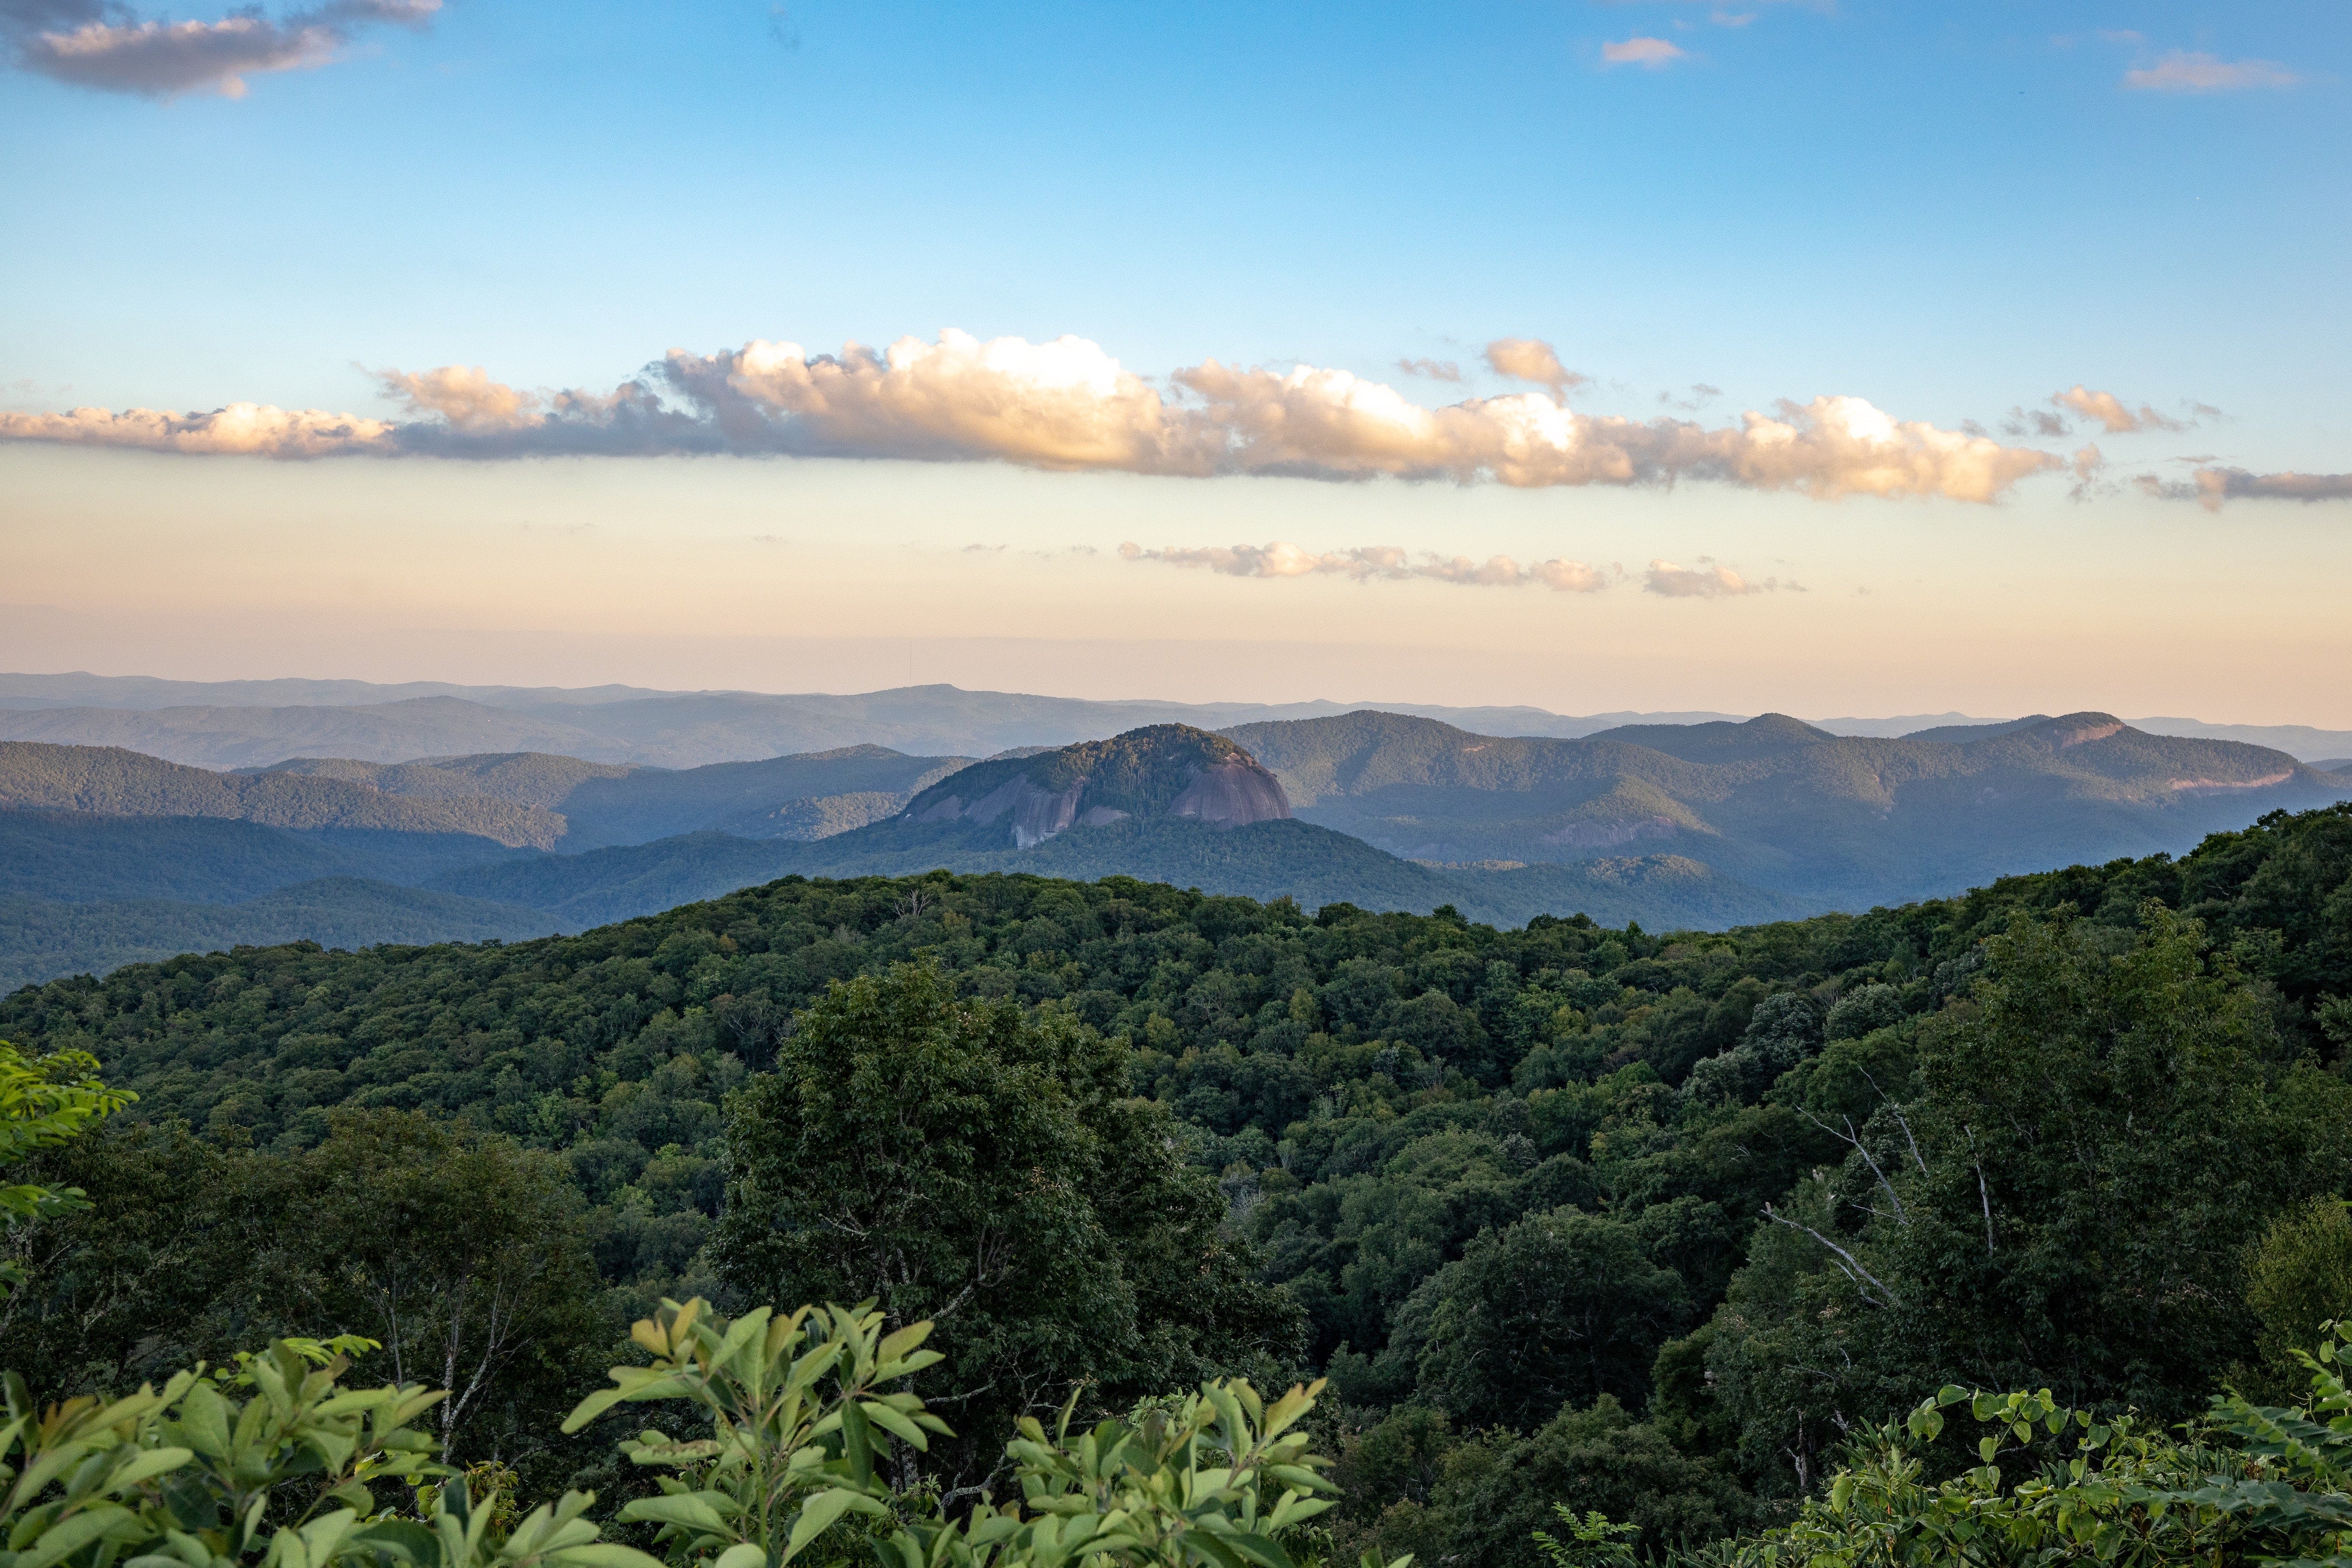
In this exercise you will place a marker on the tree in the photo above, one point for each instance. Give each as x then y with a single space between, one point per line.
2063 1197
977 1164
460 1251
45 1101
1559 1308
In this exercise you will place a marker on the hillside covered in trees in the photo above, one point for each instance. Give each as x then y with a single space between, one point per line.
1642 1221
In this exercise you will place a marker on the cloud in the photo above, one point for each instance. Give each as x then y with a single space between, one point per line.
1706 581
94 44
2039 423
1434 369
1532 359
241 430
1377 563
2182 70
2110 413
1066 405
1647 53
2211 486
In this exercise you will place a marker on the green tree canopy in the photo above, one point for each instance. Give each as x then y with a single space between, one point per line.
982 1165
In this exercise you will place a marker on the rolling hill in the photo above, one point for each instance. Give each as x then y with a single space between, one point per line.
40 940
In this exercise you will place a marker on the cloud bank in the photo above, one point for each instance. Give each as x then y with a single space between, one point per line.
93 44
2211 487
1377 563
1066 405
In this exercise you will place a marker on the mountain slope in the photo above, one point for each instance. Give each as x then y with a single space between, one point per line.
110 781
40 940
610 802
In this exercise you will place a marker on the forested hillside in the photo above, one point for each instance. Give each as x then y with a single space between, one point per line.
1637 1220
109 781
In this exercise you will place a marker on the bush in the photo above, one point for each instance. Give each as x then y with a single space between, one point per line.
275 1464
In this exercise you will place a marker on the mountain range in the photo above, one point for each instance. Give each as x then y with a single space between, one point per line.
255 723
108 855
1834 822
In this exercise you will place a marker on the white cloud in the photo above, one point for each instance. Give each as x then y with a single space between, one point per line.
1647 53
2183 70
1707 580
1434 369
241 430
2109 412
1378 563
88 43
1067 405
1532 359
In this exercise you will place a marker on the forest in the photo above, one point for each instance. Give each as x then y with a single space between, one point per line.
1660 1225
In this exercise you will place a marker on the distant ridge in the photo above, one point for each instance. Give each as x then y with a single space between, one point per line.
250 723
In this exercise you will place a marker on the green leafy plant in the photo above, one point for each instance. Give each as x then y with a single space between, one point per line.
1592 1541
1212 1481
798 1421
44 1101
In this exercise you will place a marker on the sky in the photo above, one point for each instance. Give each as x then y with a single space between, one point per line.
1832 359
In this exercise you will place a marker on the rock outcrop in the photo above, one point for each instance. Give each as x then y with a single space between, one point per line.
1166 770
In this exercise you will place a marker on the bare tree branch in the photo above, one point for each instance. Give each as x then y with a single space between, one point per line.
1854 1263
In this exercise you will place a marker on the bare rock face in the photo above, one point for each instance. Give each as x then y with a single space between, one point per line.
1167 769
1230 794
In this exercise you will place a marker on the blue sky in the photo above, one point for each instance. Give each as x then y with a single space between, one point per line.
1949 212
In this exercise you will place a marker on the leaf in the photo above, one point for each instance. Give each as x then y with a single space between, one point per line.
744 1555
817 1516
691 1509
604 1555
70 1535
895 1346
1263 1550
151 1463
897 1425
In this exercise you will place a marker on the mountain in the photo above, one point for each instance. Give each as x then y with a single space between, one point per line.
1834 821
802 796
40 940
112 782
1166 803
96 840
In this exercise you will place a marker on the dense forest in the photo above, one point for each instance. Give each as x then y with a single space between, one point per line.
1649 1223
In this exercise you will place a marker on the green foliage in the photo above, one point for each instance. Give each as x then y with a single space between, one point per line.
802 1429
767 1481
2030 1137
45 1101
40 937
1212 1481
2299 1277
463 1257
967 1161
1592 1541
